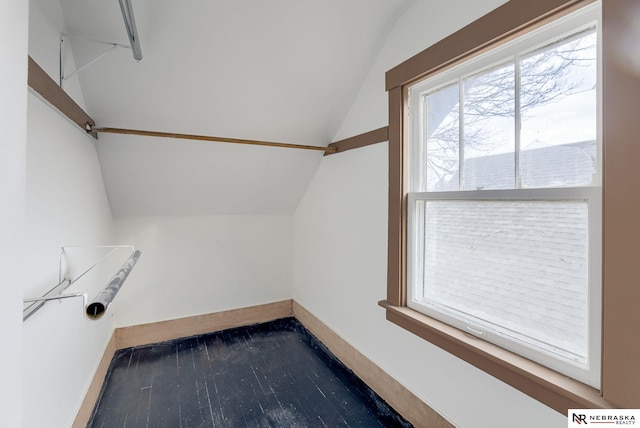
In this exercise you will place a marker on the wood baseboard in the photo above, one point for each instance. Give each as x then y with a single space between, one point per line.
145 334
395 394
86 408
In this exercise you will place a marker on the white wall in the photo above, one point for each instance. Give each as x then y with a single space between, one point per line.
13 129
204 264
45 24
190 266
66 204
340 250
334 248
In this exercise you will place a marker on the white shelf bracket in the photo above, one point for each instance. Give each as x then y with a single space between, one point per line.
111 46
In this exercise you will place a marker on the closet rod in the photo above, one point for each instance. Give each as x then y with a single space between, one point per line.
206 138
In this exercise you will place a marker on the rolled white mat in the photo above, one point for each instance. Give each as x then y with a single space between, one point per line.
96 309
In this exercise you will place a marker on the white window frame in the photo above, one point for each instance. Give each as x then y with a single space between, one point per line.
588 373
583 19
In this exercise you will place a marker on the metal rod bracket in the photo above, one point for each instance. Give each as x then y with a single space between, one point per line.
43 300
64 37
103 300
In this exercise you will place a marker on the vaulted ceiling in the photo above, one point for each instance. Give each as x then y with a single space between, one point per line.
276 70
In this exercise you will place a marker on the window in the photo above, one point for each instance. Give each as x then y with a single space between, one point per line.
617 154
504 202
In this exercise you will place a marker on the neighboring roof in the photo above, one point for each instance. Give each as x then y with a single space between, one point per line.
561 165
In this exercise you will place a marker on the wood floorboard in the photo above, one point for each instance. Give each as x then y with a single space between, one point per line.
274 374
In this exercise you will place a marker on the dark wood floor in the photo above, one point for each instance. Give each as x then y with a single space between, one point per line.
268 375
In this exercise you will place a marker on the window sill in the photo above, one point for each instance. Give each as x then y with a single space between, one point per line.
543 384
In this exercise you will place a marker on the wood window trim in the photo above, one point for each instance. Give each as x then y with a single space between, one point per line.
501 25
552 388
620 384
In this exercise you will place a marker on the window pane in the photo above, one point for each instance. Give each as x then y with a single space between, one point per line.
442 138
518 268
558 108
489 129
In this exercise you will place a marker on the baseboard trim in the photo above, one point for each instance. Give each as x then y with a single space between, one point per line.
395 394
91 397
145 334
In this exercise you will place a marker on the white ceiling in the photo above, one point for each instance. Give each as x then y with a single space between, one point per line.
276 70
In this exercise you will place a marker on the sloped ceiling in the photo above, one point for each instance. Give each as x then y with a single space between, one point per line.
275 70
